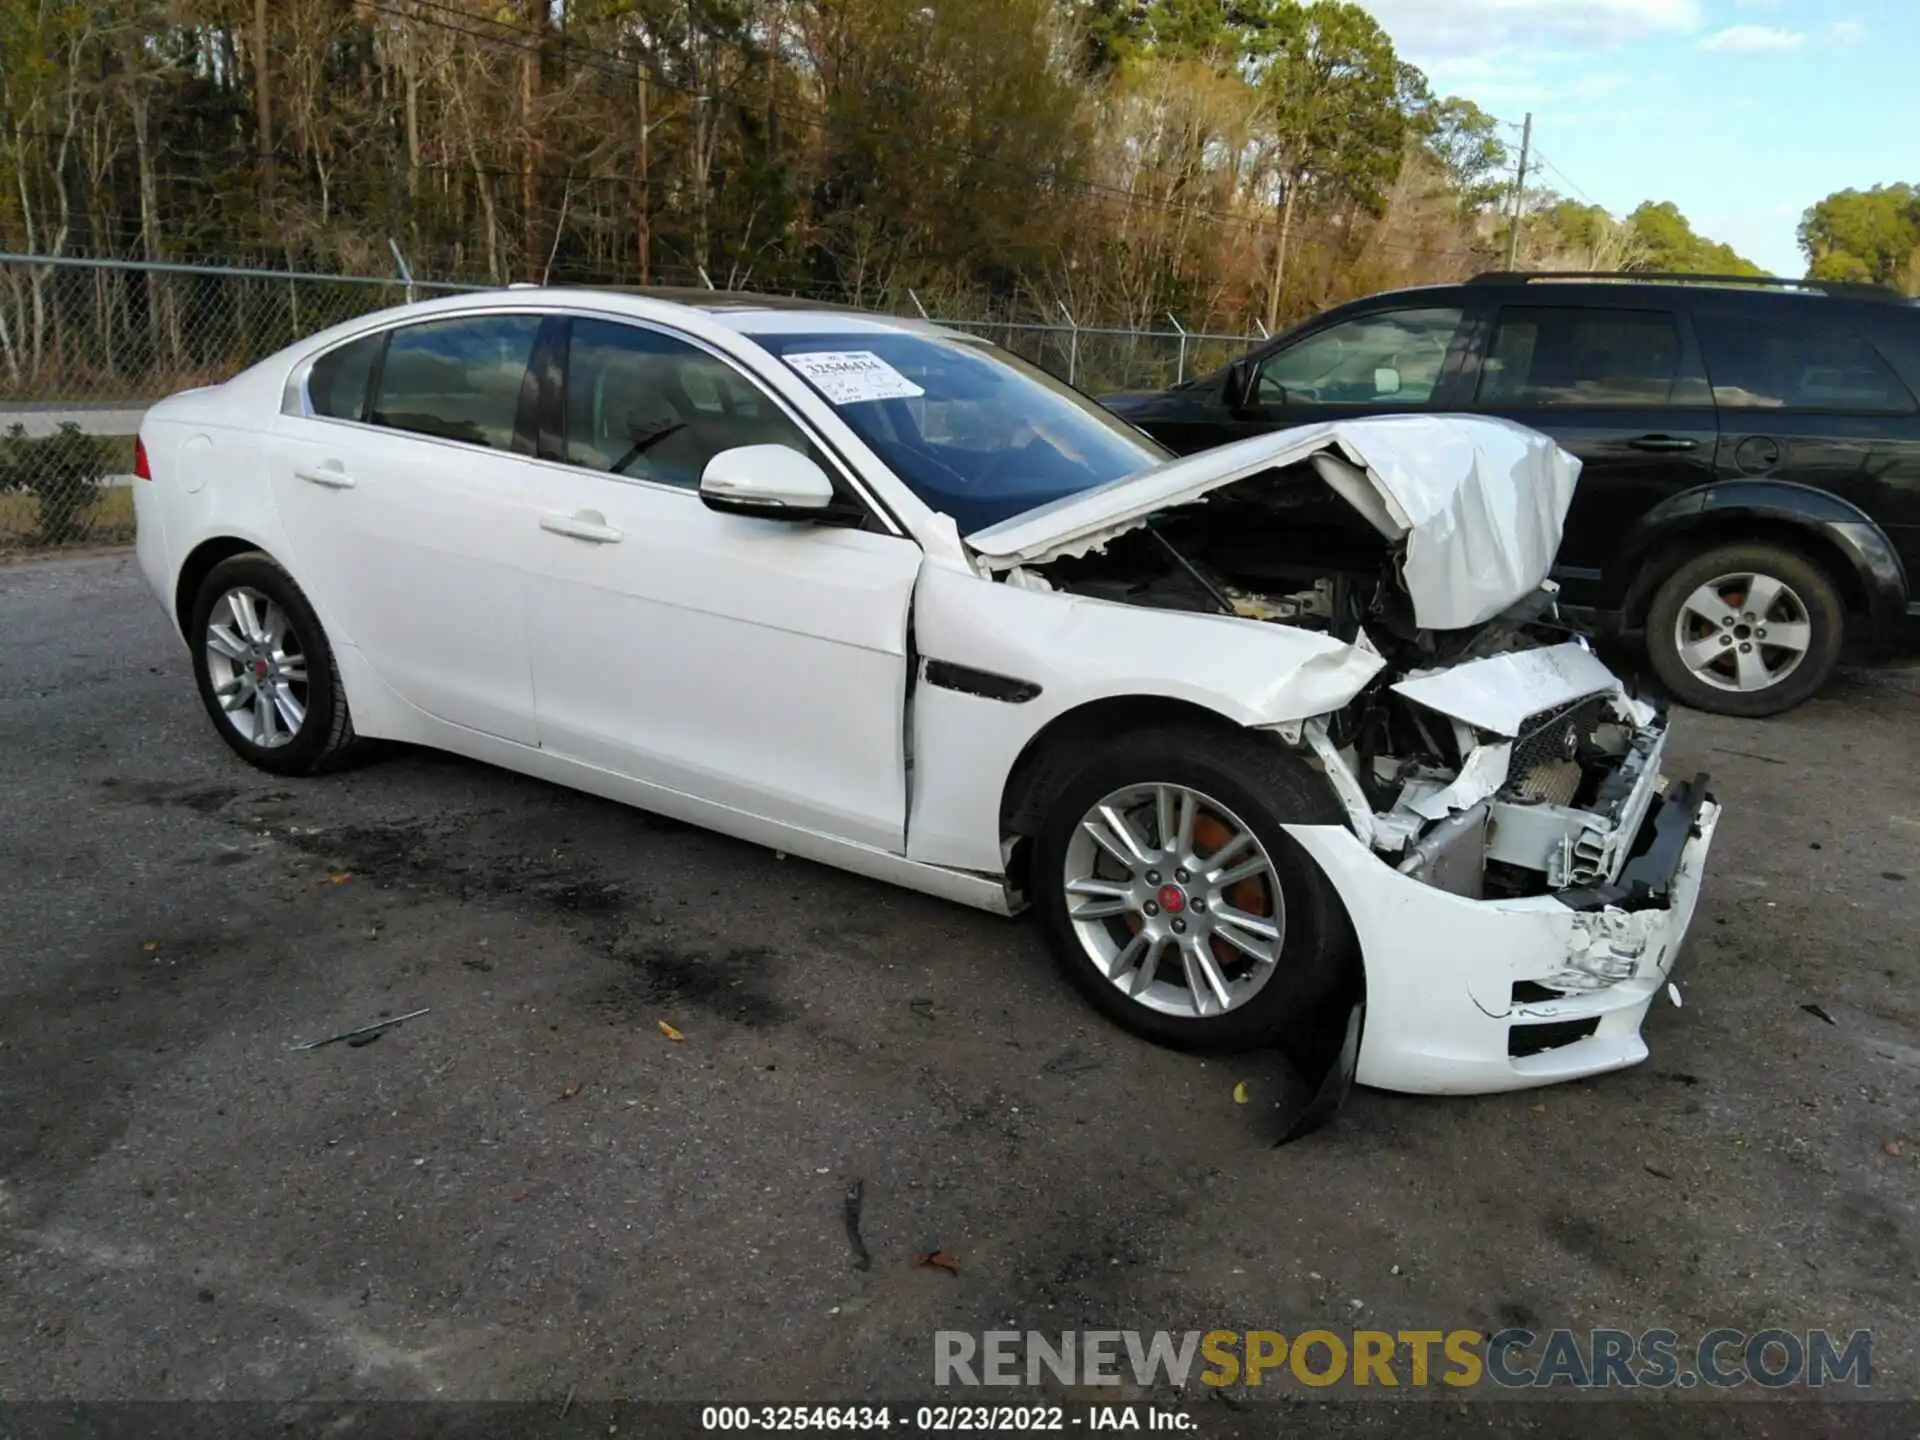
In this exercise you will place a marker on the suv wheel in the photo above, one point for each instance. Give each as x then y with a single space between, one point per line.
1746 629
1177 904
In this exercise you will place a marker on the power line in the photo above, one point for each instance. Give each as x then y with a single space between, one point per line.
1544 163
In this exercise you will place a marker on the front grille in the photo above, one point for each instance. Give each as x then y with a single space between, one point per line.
1553 737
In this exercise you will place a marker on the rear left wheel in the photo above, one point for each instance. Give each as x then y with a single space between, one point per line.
1177 904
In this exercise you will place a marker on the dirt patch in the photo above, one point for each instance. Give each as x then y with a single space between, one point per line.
735 984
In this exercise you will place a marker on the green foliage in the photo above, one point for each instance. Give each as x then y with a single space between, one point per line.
1669 244
1465 141
1865 235
63 472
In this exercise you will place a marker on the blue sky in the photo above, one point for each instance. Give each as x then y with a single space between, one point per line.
1742 112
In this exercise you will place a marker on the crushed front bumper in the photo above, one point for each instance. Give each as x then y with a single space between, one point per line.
1469 996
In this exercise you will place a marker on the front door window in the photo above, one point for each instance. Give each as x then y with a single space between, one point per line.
1391 358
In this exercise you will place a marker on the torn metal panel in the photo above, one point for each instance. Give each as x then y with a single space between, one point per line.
1484 772
1500 693
1478 502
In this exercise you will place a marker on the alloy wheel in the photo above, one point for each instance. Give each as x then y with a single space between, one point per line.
1743 632
257 667
1174 900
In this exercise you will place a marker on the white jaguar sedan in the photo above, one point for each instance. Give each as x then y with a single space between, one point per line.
1283 742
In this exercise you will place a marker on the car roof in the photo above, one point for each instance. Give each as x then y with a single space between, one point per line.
1636 288
744 311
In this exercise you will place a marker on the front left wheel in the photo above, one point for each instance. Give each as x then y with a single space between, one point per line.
1178 905
265 670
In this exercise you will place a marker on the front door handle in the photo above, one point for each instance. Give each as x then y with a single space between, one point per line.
1663 444
582 525
328 474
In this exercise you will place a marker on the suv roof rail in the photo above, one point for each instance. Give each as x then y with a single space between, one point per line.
1850 289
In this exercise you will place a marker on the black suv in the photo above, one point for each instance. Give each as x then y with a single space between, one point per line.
1750 501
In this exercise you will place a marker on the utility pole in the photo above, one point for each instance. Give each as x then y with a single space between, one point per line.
1520 192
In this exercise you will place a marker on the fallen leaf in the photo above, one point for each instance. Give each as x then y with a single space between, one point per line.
150 946
573 1090
1240 1093
1538 1109
671 1033
1818 1013
340 879
939 1260
1893 1148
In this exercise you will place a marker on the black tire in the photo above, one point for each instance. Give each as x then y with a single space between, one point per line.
1317 975
325 738
1817 595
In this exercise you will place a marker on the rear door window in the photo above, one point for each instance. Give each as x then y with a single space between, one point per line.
1791 362
1554 356
457 379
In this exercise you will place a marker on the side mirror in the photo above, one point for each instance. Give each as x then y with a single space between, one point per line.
1386 381
770 482
1238 392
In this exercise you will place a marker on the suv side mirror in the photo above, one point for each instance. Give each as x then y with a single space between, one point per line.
1237 394
770 482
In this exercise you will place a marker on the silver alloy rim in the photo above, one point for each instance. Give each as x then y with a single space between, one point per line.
258 672
1174 900
1743 632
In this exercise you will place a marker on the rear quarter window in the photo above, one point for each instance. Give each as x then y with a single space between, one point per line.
1784 361
337 383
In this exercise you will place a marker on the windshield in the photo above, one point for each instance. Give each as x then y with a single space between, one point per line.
972 430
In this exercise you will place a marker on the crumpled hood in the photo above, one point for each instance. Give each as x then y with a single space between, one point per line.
1479 502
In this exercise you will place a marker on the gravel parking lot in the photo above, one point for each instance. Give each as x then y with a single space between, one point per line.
532 1192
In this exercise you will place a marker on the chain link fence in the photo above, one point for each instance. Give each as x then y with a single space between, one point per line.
87 345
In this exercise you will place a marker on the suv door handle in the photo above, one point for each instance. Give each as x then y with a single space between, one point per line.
1663 444
328 474
582 525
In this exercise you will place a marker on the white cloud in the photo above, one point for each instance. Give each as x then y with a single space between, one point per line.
1429 30
1848 32
1752 40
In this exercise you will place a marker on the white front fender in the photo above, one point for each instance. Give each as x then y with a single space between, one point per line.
1074 651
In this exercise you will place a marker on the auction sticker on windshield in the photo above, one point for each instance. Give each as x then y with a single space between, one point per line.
848 377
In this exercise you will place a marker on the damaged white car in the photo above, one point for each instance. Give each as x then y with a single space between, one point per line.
1283 742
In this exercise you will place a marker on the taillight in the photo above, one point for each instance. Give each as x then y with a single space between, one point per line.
141 470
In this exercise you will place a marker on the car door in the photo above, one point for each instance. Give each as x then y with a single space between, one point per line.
1813 395
401 491
1624 390
1383 362
757 664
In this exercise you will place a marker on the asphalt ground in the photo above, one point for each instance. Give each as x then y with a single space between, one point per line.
532 1193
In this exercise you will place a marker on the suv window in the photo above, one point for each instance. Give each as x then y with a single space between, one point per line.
457 379
1773 362
1571 356
644 404
337 383
1395 355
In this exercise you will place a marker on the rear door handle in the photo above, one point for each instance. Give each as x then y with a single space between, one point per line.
1663 444
329 475
582 525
